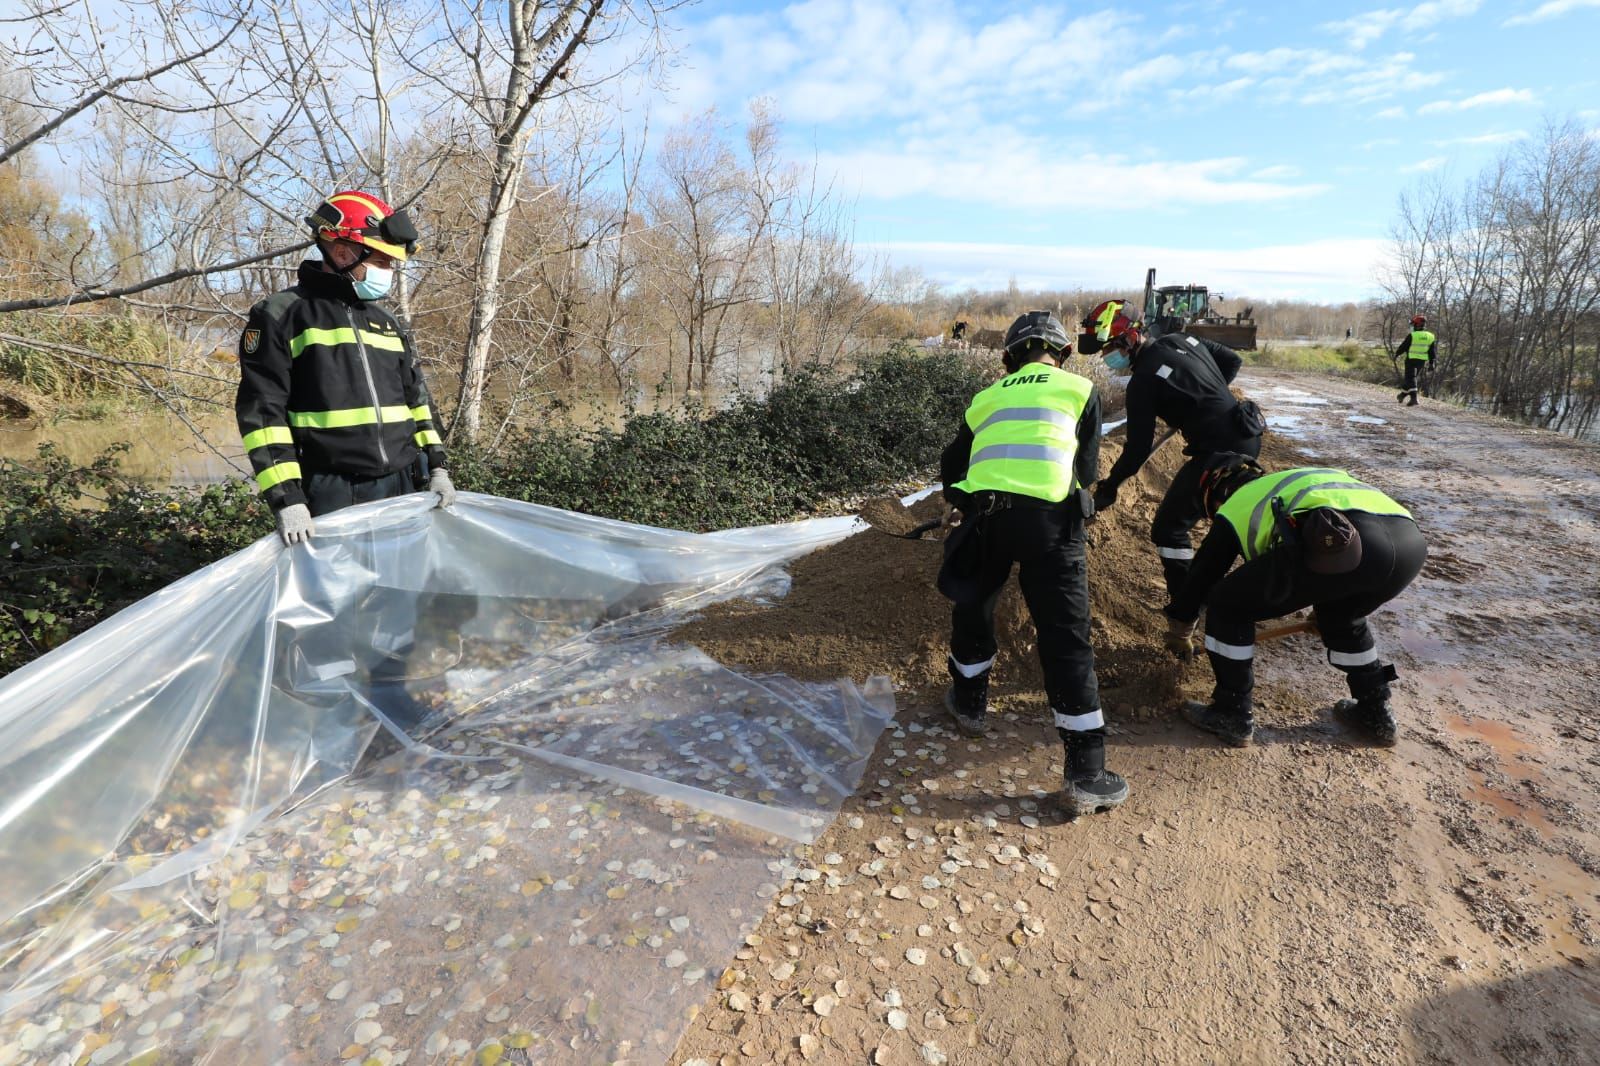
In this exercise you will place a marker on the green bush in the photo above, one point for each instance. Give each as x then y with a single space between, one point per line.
67 566
815 436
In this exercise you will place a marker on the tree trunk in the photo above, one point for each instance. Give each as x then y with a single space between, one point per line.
486 294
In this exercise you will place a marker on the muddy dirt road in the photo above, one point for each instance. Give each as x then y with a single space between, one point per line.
1306 900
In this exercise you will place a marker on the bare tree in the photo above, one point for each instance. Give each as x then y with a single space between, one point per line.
501 67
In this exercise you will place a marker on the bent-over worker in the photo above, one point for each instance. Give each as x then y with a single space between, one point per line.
1310 537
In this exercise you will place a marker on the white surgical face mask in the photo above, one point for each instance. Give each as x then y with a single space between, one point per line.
376 285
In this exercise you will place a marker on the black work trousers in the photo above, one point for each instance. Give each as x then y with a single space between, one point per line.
1414 369
1047 546
329 490
1180 511
1276 584
382 631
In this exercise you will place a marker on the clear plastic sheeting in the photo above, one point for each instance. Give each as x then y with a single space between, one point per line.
436 788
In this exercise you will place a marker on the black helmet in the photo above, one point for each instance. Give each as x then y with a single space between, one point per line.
1223 474
1041 326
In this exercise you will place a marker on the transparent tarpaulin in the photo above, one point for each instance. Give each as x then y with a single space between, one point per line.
219 844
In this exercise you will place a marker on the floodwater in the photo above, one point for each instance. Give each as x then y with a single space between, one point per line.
162 450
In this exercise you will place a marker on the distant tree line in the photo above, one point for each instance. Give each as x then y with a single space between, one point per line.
1507 269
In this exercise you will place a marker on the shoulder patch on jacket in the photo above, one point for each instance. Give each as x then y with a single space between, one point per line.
252 341
1163 371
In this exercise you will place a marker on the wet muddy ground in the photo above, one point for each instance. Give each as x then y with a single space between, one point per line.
1305 900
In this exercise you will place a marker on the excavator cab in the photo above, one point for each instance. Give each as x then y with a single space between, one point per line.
1187 309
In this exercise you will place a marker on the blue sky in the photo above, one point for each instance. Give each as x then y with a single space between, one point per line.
1258 147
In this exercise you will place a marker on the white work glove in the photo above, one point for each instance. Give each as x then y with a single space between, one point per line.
295 525
439 482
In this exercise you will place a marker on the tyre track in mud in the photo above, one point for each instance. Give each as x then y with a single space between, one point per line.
1306 900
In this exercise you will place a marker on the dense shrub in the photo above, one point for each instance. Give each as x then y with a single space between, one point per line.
815 436
66 565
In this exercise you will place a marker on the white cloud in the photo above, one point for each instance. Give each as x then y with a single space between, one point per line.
1391 112
1493 98
1012 172
1422 166
1274 173
1369 26
1323 270
1379 142
1553 9
1501 137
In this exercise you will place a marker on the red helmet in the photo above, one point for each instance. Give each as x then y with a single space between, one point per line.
366 220
1418 321
1113 326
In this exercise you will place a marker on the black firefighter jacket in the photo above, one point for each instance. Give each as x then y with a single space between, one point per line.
328 382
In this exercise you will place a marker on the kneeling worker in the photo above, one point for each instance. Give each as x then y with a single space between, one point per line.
1017 472
1310 537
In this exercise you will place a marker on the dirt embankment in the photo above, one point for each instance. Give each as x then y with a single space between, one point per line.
1307 900
868 605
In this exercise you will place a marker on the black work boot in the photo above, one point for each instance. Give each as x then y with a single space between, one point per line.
398 705
1413 401
1087 786
1369 712
1229 716
967 700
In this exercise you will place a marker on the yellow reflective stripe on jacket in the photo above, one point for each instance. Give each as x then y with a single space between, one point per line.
267 435
421 414
344 335
277 474
351 416
383 340
1025 433
426 437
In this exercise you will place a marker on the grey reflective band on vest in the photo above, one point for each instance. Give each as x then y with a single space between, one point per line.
1264 507
1042 452
1303 493
1027 414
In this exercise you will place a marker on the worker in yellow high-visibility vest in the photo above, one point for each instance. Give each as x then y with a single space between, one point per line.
1417 349
1018 472
1310 537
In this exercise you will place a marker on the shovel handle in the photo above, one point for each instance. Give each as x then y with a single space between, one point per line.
1305 625
926 527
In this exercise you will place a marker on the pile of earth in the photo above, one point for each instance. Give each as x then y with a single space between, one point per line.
868 605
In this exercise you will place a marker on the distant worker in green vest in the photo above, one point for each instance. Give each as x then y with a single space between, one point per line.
332 405
1418 349
1018 472
1310 537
